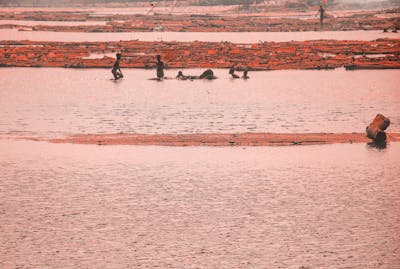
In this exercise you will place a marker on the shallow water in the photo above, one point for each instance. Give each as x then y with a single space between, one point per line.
56 101
60 23
87 206
234 37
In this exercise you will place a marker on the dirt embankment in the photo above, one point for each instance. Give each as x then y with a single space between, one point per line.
320 54
240 139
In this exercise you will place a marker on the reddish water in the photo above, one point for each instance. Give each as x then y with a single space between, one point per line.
248 37
52 102
75 206
62 23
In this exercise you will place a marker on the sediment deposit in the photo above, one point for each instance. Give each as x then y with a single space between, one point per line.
366 20
241 139
322 54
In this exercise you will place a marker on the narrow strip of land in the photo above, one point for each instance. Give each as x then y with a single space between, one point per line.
240 139
225 22
317 54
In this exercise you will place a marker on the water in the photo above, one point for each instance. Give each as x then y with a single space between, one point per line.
56 102
59 23
88 206
234 37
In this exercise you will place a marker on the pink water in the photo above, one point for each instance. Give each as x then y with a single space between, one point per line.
60 23
234 37
76 206
58 102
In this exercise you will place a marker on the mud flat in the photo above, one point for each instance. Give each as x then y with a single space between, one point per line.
242 139
319 54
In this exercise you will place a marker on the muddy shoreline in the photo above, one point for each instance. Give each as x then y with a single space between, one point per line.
239 139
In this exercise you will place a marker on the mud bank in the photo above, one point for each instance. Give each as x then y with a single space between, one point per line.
367 20
240 139
320 54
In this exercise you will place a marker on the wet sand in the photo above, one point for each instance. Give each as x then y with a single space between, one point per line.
240 139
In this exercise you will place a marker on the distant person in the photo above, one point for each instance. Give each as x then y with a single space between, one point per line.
160 68
321 13
232 72
207 74
245 76
181 76
116 70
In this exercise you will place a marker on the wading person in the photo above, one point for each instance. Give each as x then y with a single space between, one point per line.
232 72
116 70
208 74
321 13
160 68
245 76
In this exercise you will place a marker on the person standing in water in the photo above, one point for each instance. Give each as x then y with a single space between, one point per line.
116 70
232 72
160 68
321 13
245 76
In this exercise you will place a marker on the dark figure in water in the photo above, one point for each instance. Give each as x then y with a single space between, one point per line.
245 76
232 72
321 13
181 76
160 68
208 74
116 70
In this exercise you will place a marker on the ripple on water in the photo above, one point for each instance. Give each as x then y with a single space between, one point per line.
287 207
261 105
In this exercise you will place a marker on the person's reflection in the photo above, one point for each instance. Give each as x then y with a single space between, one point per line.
377 145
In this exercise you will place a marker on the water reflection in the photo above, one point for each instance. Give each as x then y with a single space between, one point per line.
377 144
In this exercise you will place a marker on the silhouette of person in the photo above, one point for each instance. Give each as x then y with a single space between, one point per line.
208 74
232 72
181 76
160 68
116 70
321 13
245 76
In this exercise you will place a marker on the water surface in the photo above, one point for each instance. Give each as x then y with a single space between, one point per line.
56 101
59 23
88 206
234 37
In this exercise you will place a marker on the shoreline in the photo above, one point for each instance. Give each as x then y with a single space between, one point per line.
218 140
